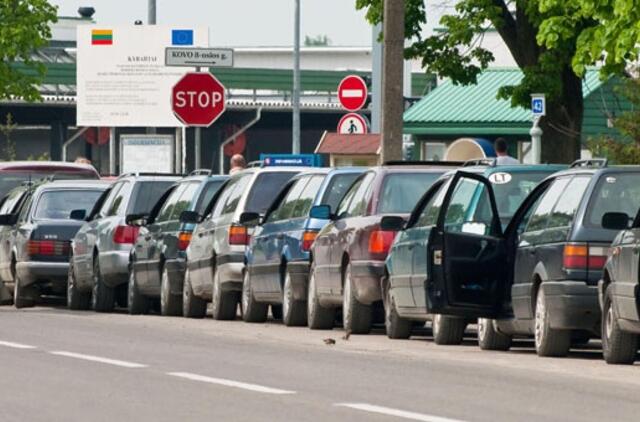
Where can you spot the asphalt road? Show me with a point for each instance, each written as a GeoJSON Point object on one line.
{"type": "Point", "coordinates": [59, 365]}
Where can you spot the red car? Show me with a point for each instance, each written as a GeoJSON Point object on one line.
{"type": "Point", "coordinates": [348, 255]}
{"type": "Point", "coordinates": [14, 173]}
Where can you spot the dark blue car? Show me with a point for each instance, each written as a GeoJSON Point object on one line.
{"type": "Point", "coordinates": [278, 256]}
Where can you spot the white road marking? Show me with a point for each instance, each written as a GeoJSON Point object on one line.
{"type": "Point", "coordinates": [352, 93]}
{"type": "Point", "coordinates": [230, 383]}
{"type": "Point", "coordinates": [396, 412]}
{"type": "Point", "coordinates": [16, 345]}
{"type": "Point", "coordinates": [91, 358]}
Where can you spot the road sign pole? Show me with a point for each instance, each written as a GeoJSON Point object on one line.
{"type": "Point", "coordinates": [112, 151]}
{"type": "Point", "coordinates": [536, 140]}
{"type": "Point", "coordinates": [295, 98]}
{"type": "Point", "coordinates": [198, 141]}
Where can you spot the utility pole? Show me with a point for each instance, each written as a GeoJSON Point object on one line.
{"type": "Point", "coordinates": [376, 77]}
{"type": "Point", "coordinates": [392, 78]}
{"type": "Point", "coordinates": [151, 20]}
{"type": "Point", "coordinates": [295, 97]}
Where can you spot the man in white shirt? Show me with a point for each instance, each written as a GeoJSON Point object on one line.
{"type": "Point", "coordinates": [502, 156]}
{"type": "Point", "coordinates": [237, 164]}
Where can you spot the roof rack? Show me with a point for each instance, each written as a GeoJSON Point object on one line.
{"type": "Point", "coordinates": [257, 163]}
{"type": "Point", "coordinates": [201, 172]}
{"type": "Point", "coordinates": [137, 174]}
{"type": "Point", "coordinates": [489, 162]}
{"type": "Point", "coordinates": [591, 162]}
{"type": "Point", "coordinates": [422, 163]}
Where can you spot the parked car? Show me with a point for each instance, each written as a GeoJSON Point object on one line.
{"type": "Point", "coordinates": [216, 254]}
{"type": "Point", "coordinates": [157, 262]}
{"type": "Point", "coordinates": [277, 267]}
{"type": "Point", "coordinates": [39, 232]}
{"type": "Point", "coordinates": [347, 256]}
{"type": "Point", "coordinates": [13, 173]}
{"type": "Point", "coordinates": [406, 265]}
{"type": "Point", "coordinates": [99, 262]}
{"type": "Point", "coordinates": [538, 276]}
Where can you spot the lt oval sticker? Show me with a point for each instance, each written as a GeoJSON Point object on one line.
{"type": "Point", "coordinates": [500, 178]}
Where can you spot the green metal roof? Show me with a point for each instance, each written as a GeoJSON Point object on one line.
{"type": "Point", "coordinates": [454, 109]}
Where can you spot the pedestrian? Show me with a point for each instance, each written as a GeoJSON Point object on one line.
{"type": "Point", "coordinates": [237, 164]}
{"type": "Point", "coordinates": [503, 157]}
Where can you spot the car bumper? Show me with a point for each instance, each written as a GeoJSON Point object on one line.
{"type": "Point", "coordinates": [572, 305]}
{"type": "Point", "coordinates": [114, 267]}
{"type": "Point", "coordinates": [31, 272]}
{"type": "Point", "coordinates": [230, 269]}
{"type": "Point", "coordinates": [175, 270]}
{"type": "Point", "coordinates": [366, 277]}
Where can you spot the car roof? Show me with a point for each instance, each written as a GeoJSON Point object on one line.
{"type": "Point", "coordinates": [82, 183]}
{"type": "Point", "coordinates": [151, 176]}
{"type": "Point", "coordinates": [204, 177]}
{"type": "Point", "coordinates": [273, 169]}
{"type": "Point", "coordinates": [36, 165]}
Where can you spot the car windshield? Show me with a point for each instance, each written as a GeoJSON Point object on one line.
{"type": "Point", "coordinates": [510, 189]}
{"type": "Point", "coordinates": [401, 191]}
{"type": "Point", "coordinates": [338, 186]}
{"type": "Point", "coordinates": [148, 194]}
{"type": "Point", "coordinates": [265, 189]}
{"type": "Point", "coordinates": [10, 179]}
{"type": "Point", "coordinates": [617, 192]}
{"type": "Point", "coordinates": [58, 204]}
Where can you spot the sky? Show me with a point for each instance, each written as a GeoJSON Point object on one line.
{"type": "Point", "coordinates": [240, 23]}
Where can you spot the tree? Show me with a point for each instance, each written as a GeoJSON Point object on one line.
{"type": "Point", "coordinates": [24, 27]}
{"type": "Point", "coordinates": [317, 41]}
{"type": "Point", "coordinates": [457, 54]}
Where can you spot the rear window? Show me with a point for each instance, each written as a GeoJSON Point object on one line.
{"type": "Point", "coordinates": [401, 191]}
{"type": "Point", "coordinates": [147, 195]}
{"type": "Point", "coordinates": [510, 189]}
{"type": "Point", "coordinates": [337, 188]}
{"type": "Point", "coordinates": [10, 179]}
{"type": "Point", "coordinates": [207, 194]}
{"type": "Point", "coordinates": [615, 192]}
{"type": "Point", "coordinates": [58, 204]}
{"type": "Point", "coordinates": [265, 189]}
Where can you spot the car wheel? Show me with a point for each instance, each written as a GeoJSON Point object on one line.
{"type": "Point", "coordinates": [170, 304]}
{"type": "Point", "coordinates": [549, 341]}
{"type": "Point", "coordinates": [103, 296]}
{"type": "Point", "coordinates": [318, 317]}
{"type": "Point", "coordinates": [356, 317]}
{"type": "Point", "coordinates": [23, 297]}
{"type": "Point", "coordinates": [192, 306]}
{"type": "Point", "coordinates": [397, 328]}
{"type": "Point", "coordinates": [138, 304]}
{"type": "Point", "coordinates": [252, 311]}
{"type": "Point", "coordinates": [448, 330]}
{"type": "Point", "coordinates": [223, 304]}
{"type": "Point", "coordinates": [294, 312]}
{"type": "Point", "coordinates": [618, 347]}
{"type": "Point", "coordinates": [76, 300]}
{"type": "Point", "coordinates": [489, 338]}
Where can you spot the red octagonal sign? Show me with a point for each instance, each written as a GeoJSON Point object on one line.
{"type": "Point", "coordinates": [198, 99]}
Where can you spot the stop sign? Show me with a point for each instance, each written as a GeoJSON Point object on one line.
{"type": "Point", "coordinates": [198, 99]}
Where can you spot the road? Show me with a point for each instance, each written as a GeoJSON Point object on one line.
{"type": "Point", "coordinates": [59, 365]}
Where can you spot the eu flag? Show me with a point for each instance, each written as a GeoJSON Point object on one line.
{"type": "Point", "coordinates": [182, 36]}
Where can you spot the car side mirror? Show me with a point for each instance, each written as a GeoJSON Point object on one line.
{"type": "Point", "coordinates": [7, 220]}
{"type": "Point", "coordinates": [79, 215]}
{"type": "Point", "coordinates": [190, 217]}
{"type": "Point", "coordinates": [321, 212]}
{"type": "Point", "coordinates": [392, 223]}
{"type": "Point", "coordinates": [249, 218]}
{"type": "Point", "coordinates": [615, 221]}
{"type": "Point", "coordinates": [137, 220]}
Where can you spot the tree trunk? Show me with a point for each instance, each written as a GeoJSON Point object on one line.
{"type": "Point", "coordinates": [562, 126]}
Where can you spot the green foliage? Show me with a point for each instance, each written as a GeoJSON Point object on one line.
{"type": "Point", "coordinates": [317, 41]}
{"type": "Point", "coordinates": [618, 152]}
{"type": "Point", "coordinates": [24, 27]}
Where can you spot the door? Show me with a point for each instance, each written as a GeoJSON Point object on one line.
{"type": "Point", "coordinates": [466, 255]}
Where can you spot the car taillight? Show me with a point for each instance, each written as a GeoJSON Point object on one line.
{"type": "Point", "coordinates": [48, 247]}
{"type": "Point", "coordinates": [380, 241]}
{"type": "Point", "coordinates": [580, 256]}
{"type": "Point", "coordinates": [307, 240]}
{"type": "Point", "coordinates": [183, 240]}
{"type": "Point", "coordinates": [238, 235]}
{"type": "Point", "coordinates": [125, 234]}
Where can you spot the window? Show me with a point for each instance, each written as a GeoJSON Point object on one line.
{"type": "Point", "coordinates": [207, 194]}
{"type": "Point", "coordinates": [169, 204]}
{"type": "Point", "coordinates": [265, 188]}
{"type": "Point", "coordinates": [429, 215]}
{"type": "Point", "coordinates": [337, 188]}
{"type": "Point", "coordinates": [24, 210]}
{"type": "Point", "coordinates": [540, 217]}
{"type": "Point", "coordinates": [224, 195]}
{"type": "Point", "coordinates": [147, 194]}
{"type": "Point", "coordinates": [305, 202]}
{"type": "Point", "coordinates": [231, 202]}
{"type": "Point", "coordinates": [346, 201]}
{"type": "Point", "coordinates": [57, 204]}
{"type": "Point", "coordinates": [361, 198]}
{"type": "Point", "coordinates": [11, 201]}
{"type": "Point", "coordinates": [615, 192]}
{"type": "Point", "coordinates": [106, 205]}
{"type": "Point", "coordinates": [287, 205]}
{"type": "Point", "coordinates": [511, 189]}
{"type": "Point", "coordinates": [567, 206]}
{"type": "Point", "coordinates": [185, 200]}
{"type": "Point", "coordinates": [401, 191]}
{"type": "Point", "coordinates": [117, 206]}
{"type": "Point", "coordinates": [461, 215]}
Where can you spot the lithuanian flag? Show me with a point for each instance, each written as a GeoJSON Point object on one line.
{"type": "Point", "coordinates": [101, 37]}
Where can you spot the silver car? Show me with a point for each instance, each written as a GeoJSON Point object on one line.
{"type": "Point", "coordinates": [99, 262]}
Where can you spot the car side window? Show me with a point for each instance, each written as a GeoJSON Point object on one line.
{"type": "Point", "coordinates": [565, 209]}
{"type": "Point", "coordinates": [288, 203]}
{"type": "Point", "coordinates": [24, 211]}
{"type": "Point", "coordinates": [106, 205]}
{"type": "Point", "coordinates": [361, 198]}
{"type": "Point", "coordinates": [118, 204]}
{"type": "Point", "coordinates": [346, 200]}
{"type": "Point", "coordinates": [542, 213]}
{"type": "Point", "coordinates": [185, 200]}
{"type": "Point", "coordinates": [10, 202]}
{"type": "Point", "coordinates": [429, 215]}
{"type": "Point", "coordinates": [229, 199]}
{"type": "Point", "coordinates": [167, 208]}
{"type": "Point", "coordinates": [305, 202]}
{"type": "Point", "coordinates": [461, 215]}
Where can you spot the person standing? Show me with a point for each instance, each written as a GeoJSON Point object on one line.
{"type": "Point", "coordinates": [502, 156]}
{"type": "Point", "coordinates": [237, 163]}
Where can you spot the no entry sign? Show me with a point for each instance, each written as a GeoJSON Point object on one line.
{"type": "Point", "coordinates": [352, 92]}
{"type": "Point", "coordinates": [198, 99]}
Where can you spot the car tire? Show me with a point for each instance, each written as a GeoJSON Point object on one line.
{"type": "Point", "coordinates": [192, 306]}
{"type": "Point", "coordinates": [356, 317]}
{"type": "Point", "coordinates": [76, 300]}
{"type": "Point", "coordinates": [618, 347]}
{"type": "Point", "coordinates": [102, 296]}
{"type": "Point", "coordinates": [396, 327]}
{"type": "Point", "coordinates": [294, 312]}
{"type": "Point", "coordinates": [23, 297]}
{"type": "Point", "coordinates": [491, 339]}
{"type": "Point", "coordinates": [318, 317]}
{"type": "Point", "coordinates": [170, 304]}
{"type": "Point", "coordinates": [448, 330]}
{"type": "Point", "coordinates": [549, 342]}
{"type": "Point", "coordinates": [137, 303]}
{"type": "Point", "coordinates": [224, 305]}
{"type": "Point", "coordinates": [252, 311]}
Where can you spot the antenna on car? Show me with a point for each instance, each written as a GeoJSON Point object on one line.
{"type": "Point", "coordinates": [591, 162]}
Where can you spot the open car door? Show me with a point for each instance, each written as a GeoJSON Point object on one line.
{"type": "Point", "coordinates": [466, 254]}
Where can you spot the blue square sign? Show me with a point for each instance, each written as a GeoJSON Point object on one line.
{"type": "Point", "coordinates": [538, 105]}
{"type": "Point", "coordinates": [182, 36]}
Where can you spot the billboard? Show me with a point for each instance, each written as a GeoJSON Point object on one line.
{"type": "Point", "coordinates": [146, 153]}
{"type": "Point", "coordinates": [121, 77]}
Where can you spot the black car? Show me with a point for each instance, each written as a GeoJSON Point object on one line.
{"type": "Point", "coordinates": [158, 257]}
{"type": "Point", "coordinates": [40, 235]}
